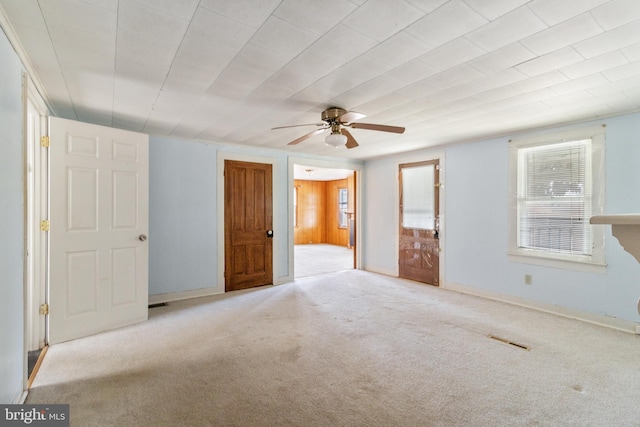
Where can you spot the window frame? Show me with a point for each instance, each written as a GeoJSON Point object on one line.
{"type": "Point", "coordinates": [343, 213]}
{"type": "Point", "coordinates": [595, 262]}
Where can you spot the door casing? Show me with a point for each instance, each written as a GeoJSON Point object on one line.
{"type": "Point", "coordinates": [277, 213]}
{"type": "Point", "coordinates": [436, 155]}
{"type": "Point", "coordinates": [248, 224]}
{"type": "Point", "coordinates": [358, 168]}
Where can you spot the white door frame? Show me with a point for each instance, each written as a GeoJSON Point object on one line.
{"type": "Point", "coordinates": [440, 156]}
{"type": "Point", "coordinates": [327, 164]}
{"type": "Point", "coordinates": [277, 212]}
{"type": "Point", "coordinates": [36, 209]}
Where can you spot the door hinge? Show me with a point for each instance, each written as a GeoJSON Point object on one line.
{"type": "Point", "coordinates": [438, 185]}
{"type": "Point", "coordinates": [44, 141]}
{"type": "Point", "coordinates": [45, 225]}
{"type": "Point", "coordinates": [44, 309]}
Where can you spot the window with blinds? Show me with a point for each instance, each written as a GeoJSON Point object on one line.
{"type": "Point", "coordinates": [554, 197]}
{"type": "Point", "coordinates": [557, 185]}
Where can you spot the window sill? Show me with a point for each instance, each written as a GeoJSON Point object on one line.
{"type": "Point", "coordinates": [553, 262]}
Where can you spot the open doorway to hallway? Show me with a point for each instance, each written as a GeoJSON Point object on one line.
{"type": "Point", "coordinates": [323, 220]}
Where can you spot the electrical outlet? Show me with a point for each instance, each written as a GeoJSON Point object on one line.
{"type": "Point", "coordinates": [528, 279]}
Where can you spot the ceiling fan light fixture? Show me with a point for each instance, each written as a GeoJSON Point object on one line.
{"type": "Point", "coordinates": [335, 139]}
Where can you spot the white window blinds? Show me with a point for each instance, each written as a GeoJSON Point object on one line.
{"type": "Point", "coordinates": [554, 200]}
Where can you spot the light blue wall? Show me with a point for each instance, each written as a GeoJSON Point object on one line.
{"type": "Point", "coordinates": [11, 226]}
{"type": "Point", "coordinates": [476, 219]}
{"type": "Point", "coordinates": [183, 213]}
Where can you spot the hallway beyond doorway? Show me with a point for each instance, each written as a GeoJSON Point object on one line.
{"type": "Point", "coordinates": [320, 258]}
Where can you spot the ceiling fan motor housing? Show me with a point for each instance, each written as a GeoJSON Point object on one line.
{"type": "Point", "coordinates": [332, 114]}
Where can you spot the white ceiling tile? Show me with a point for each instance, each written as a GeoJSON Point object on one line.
{"type": "Point", "coordinates": [549, 62]}
{"type": "Point", "coordinates": [24, 14]}
{"type": "Point", "coordinates": [580, 84]}
{"type": "Point", "coordinates": [451, 54]}
{"type": "Point", "coordinates": [617, 86]}
{"type": "Point", "coordinates": [344, 43]}
{"type": "Point", "coordinates": [280, 36]}
{"type": "Point", "coordinates": [111, 5]}
{"type": "Point", "coordinates": [502, 58]}
{"type": "Point", "coordinates": [594, 65]}
{"type": "Point", "coordinates": [177, 95]}
{"type": "Point", "coordinates": [632, 53]}
{"type": "Point", "coordinates": [312, 66]}
{"type": "Point", "coordinates": [456, 76]}
{"type": "Point", "coordinates": [366, 92]}
{"type": "Point", "coordinates": [563, 34]}
{"type": "Point", "coordinates": [183, 9]}
{"type": "Point", "coordinates": [412, 71]}
{"type": "Point", "coordinates": [75, 45]}
{"type": "Point", "coordinates": [139, 23]}
{"type": "Point", "coordinates": [617, 38]}
{"type": "Point", "coordinates": [540, 82]}
{"type": "Point", "coordinates": [507, 29]}
{"type": "Point", "coordinates": [381, 103]}
{"type": "Point", "coordinates": [495, 8]}
{"type": "Point", "coordinates": [616, 13]}
{"type": "Point", "coordinates": [248, 70]}
{"type": "Point", "coordinates": [623, 71]}
{"type": "Point", "coordinates": [312, 15]}
{"type": "Point", "coordinates": [419, 89]}
{"type": "Point", "coordinates": [553, 12]}
{"type": "Point", "coordinates": [446, 23]}
{"type": "Point", "coordinates": [248, 12]}
{"type": "Point", "coordinates": [81, 17]}
{"type": "Point", "coordinates": [397, 16]}
{"type": "Point", "coordinates": [398, 49]}
{"type": "Point", "coordinates": [209, 28]}
{"type": "Point", "coordinates": [426, 6]}
{"type": "Point", "coordinates": [502, 78]}
{"type": "Point", "coordinates": [135, 67]}
{"type": "Point", "coordinates": [497, 94]}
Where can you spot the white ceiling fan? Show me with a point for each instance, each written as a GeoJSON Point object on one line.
{"type": "Point", "coordinates": [336, 119]}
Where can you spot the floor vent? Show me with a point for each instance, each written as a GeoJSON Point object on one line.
{"type": "Point", "coordinates": [506, 341]}
{"type": "Point", "coordinates": [160, 304]}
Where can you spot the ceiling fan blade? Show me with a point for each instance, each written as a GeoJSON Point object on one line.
{"type": "Point", "coordinates": [308, 135]}
{"type": "Point", "coordinates": [351, 142]}
{"type": "Point", "coordinates": [384, 128]}
{"type": "Point", "coordinates": [295, 126]}
{"type": "Point", "coordinates": [351, 116]}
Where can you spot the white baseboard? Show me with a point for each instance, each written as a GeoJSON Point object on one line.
{"type": "Point", "coordinates": [282, 280]}
{"type": "Point", "coordinates": [21, 398]}
{"type": "Point", "coordinates": [383, 271]}
{"type": "Point", "coordinates": [571, 313]}
{"type": "Point", "coordinates": [177, 296]}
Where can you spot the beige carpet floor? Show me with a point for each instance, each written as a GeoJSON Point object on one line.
{"type": "Point", "coordinates": [321, 258]}
{"type": "Point", "coordinates": [346, 349]}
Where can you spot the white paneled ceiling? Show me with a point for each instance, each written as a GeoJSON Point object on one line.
{"type": "Point", "coordinates": [230, 70]}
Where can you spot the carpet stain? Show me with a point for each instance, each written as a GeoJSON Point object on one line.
{"type": "Point", "coordinates": [290, 355]}
{"type": "Point", "coordinates": [578, 388]}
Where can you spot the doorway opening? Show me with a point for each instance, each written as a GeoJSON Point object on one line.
{"type": "Point", "coordinates": [324, 220]}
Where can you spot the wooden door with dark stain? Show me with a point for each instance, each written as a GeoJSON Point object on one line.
{"type": "Point", "coordinates": [248, 222]}
{"type": "Point", "coordinates": [419, 255]}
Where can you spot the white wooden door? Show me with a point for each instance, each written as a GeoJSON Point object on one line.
{"type": "Point", "coordinates": [99, 222]}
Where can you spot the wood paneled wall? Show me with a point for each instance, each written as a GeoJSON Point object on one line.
{"type": "Point", "coordinates": [318, 211]}
{"type": "Point", "coordinates": [312, 196]}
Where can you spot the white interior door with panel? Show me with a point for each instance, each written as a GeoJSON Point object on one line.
{"type": "Point", "coordinates": [98, 226]}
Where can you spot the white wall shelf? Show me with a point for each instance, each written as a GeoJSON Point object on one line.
{"type": "Point", "coordinates": [625, 228]}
